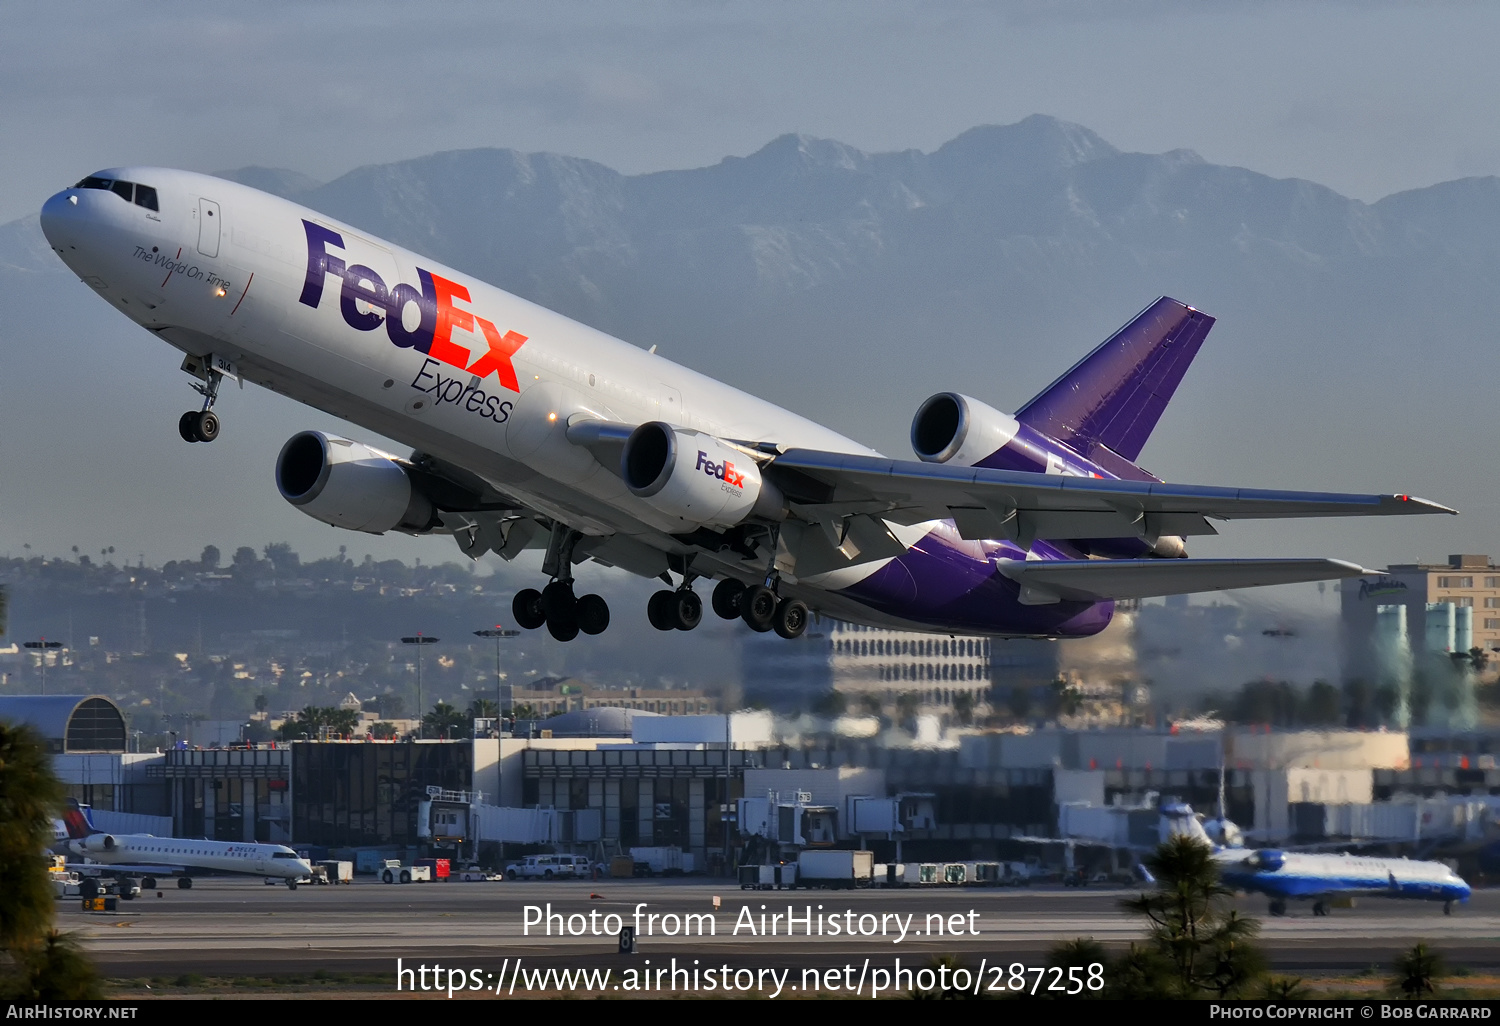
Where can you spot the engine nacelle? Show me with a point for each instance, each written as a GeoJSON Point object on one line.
{"type": "Point", "coordinates": [953, 428]}
{"type": "Point", "coordinates": [98, 844]}
{"type": "Point", "coordinates": [349, 485]}
{"type": "Point", "coordinates": [696, 478]}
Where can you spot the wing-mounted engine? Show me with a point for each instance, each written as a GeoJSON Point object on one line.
{"type": "Point", "coordinates": [700, 480]}
{"type": "Point", "coordinates": [351, 485]}
{"type": "Point", "coordinates": [953, 428]}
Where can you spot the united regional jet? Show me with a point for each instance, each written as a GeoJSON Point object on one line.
{"type": "Point", "coordinates": [1284, 876]}
{"type": "Point", "coordinates": [532, 430]}
{"type": "Point", "coordinates": [136, 860]}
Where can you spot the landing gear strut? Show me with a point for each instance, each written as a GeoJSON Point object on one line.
{"type": "Point", "coordinates": [202, 425]}
{"type": "Point", "coordinates": [1320, 908]}
{"type": "Point", "coordinates": [555, 606]}
{"type": "Point", "coordinates": [1278, 907]}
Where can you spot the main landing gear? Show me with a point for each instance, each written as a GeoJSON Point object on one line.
{"type": "Point", "coordinates": [201, 425]}
{"type": "Point", "coordinates": [760, 607]}
{"type": "Point", "coordinates": [555, 606]}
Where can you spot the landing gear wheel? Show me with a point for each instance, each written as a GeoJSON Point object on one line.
{"type": "Point", "coordinates": [659, 610]}
{"type": "Point", "coordinates": [593, 614]}
{"type": "Point", "coordinates": [526, 608]}
{"type": "Point", "coordinates": [558, 601]}
{"type": "Point", "coordinates": [791, 618]}
{"type": "Point", "coordinates": [206, 426]}
{"type": "Point", "coordinates": [291, 885]}
{"type": "Point", "coordinates": [726, 598]}
{"type": "Point", "coordinates": [184, 883]}
{"type": "Point", "coordinates": [1320, 908]}
{"type": "Point", "coordinates": [562, 629]}
{"type": "Point", "coordinates": [149, 883]}
{"type": "Point", "coordinates": [686, 610]}
{"type": "Point", "coordinates": [187, 426]}
{"type": "Point", "coordinates": [1278, 908]}
{"type": "Point", "coordinates": [758, 607]}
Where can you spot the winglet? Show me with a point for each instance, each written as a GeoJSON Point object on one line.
{"type": "Point", "coordinates": [1428, 505]}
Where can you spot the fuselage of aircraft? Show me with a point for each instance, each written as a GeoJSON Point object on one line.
{"type": "Point", "coordinates": [142, 856]}
{"type": "Point", "coordinates": [530, 430]}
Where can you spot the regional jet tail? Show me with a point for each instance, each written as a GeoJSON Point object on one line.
{"type": "Point", "coordinates": [136, 860]}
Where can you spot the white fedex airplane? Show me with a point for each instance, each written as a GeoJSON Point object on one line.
{"type": "Point", "coordinates": [532, 430]}
{"type": "Point", "coordinates": [136, 860]}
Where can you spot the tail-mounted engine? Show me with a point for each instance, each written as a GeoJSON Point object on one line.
{"type": "Point", "coordinates": [350, 485]}
{"type": "Point", "coordinates": [953, 428]}
{"type": "Point", "coordinates": [696, 478]}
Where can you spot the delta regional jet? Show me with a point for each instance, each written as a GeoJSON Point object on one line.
{"type": "Point", "coordinates": [136, 860]}
{"type": "Point", "coordinates": [531, 430]}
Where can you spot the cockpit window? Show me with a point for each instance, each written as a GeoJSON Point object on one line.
{"type": "Point", "coordinates": [145, 195]}
{"type": "Point", "coordinates": [283, 854]}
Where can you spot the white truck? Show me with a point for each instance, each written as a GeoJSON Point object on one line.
{"type": "Point", "coordinates": [835, 868]}
{"type": "Point", "coordinates": [392, 871]}
{"type": "Point", "coordinates": [549, 867]}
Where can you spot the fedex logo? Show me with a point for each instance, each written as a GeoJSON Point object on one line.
{"type": "Point", "coordinates": [436, 301]}
{"type": "Point", "coordinates": [720, 471]}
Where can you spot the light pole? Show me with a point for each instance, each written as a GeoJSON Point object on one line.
{"type": "Point", "coordinates": [497, 632]}
{"type": "Point", "coordinates": [44, 645]}
{"type": "Point", "coordinates": [419, 641]}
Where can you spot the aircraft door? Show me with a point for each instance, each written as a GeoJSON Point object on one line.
{"type": "Point", "coordinates": [208, 227]}
{"type": "Point", "coordinates": [669, 405]}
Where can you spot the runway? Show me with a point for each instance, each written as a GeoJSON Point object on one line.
{"type": "Point", "coordinates": [231, 927]}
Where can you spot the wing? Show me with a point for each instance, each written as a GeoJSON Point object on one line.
{"type": "Point", "coordinates": [830, 487]}
{"type": "Point", "coordinates": [1045, 581]}
{"type": "Point", "coordinates": [119, 869]}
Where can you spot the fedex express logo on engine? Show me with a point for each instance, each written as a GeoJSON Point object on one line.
{"type": "Point", "coordinates": [720, 471]}
{"type": "Point", "coordinates": [434, 301]}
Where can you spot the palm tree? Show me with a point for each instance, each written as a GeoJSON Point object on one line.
{"type": "Point", "coordinates": [1417, 971]}
{"type": "Point", "coordinates": [445, 721]}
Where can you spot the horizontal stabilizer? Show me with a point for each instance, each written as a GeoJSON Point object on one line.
{"type": "Point", "coordinates": [1043, 582]}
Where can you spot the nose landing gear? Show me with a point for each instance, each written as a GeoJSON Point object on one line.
{"type": "Point", "coordinates": [202, 425]}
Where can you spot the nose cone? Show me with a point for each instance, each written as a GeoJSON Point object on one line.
{"type": "Point", "coordinates": [60, 217]}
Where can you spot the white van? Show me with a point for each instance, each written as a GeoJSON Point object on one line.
{"type": "Point", "coordinates": [549, 867]}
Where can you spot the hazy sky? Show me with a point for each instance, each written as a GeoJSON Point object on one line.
{"type": "Point", "coordinates": [1368, 97]}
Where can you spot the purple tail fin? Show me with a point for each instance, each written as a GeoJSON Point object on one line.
{"type": "Point", "coordinates": [1114, 396]}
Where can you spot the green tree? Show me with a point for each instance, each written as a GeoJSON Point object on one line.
{"type": "Point", "coordinates": [963, 707]}
{"type": "Point", "coordinates": [1208, 946]}
{"type": "Point", "coordinates": [209, 560]}
{"type": "Point", "coordinates": [383, 731]}
{"type": "Point", "coordinates": [4, 609]}
{"type": "Point", "coordinates": [1322, 706]}
{"type": "Point", "coordinates": [1417, 971]}
{"type": "Point", "coordinates": [45, 965]}
{"type": "Point", "coordinates": [829, 703]}
{"type": "Point", "coordinates": [1080, 953]}
{"type": "Point", "coordinates": [445, 721]}
{"type": "Point", "coordinates": [313, 719]}
{"type": "Point", "coordinates": [482, 709]}
{"type": "Point", "coordinates": [1020, 701]}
